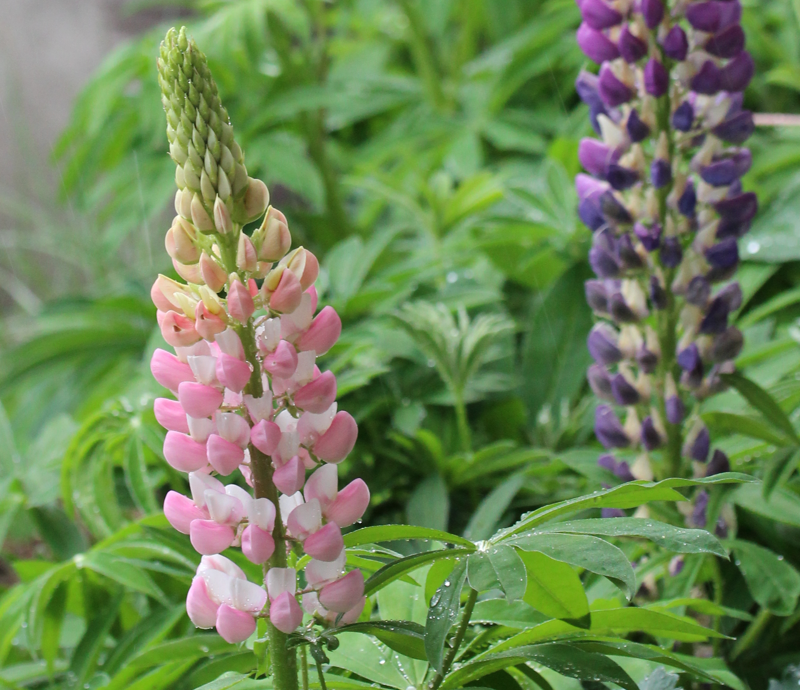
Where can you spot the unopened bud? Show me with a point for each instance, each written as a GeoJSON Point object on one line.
{"type": "Point", "coordinates": [213, 274]}
{"type": "Point", "coordinates": [256, 199]}
{"type": "Point", "coordinates": [246, 254]}
{"type": "Point", "coordinates": [222, 217]}
{"type": "Point", "coordinates": [189, 272]}
{"type": "Point", "coordinates": [202, 221]}
{"type": "Point", "coordinates": [275, 236]}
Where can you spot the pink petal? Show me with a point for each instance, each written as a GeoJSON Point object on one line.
{"type": "Point", "coordinates": [199, 400]}
{"type": "Point", "coordinates": [223, 455]}
{"type": "Point", "coordinates": [337, 442]}
{"type": "Point", "coordinates": [325, 544]}
{"type": "Point", "coordinates": [184, 454]}
{"type": "Point", "coordinates": [209, 538]}
{"type": "Point", "coordinates": [234, 626]}
{"type": "Point", "coordinates": [170, 415]}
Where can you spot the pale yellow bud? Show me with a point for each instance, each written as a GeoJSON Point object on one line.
{"type": "Point", "coordinates": [202, 221]}
{"type": "Point", "coordinates": [213, 274]}
{"type": "Point", "coordinates": [222, 217]}
{"type": "Point", "coordinates": [246, 259]}
{"type": "Point", "coordinates": [274, 236]}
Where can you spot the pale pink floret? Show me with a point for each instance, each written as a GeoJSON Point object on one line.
{"type": "Point", "coordinates": [223, 455]}
{"type": "Point", "coordinates": [266, 436]}
{"type": "Point", "coordinates": [201, 609]}
{"type": "Point", "coordinates": [343, 594]}
{"type": "Point", "coordinates": [340, 438]}
{"type": "Point", "coordinates": [170, 415]}
{"type": "Point", "coordinates": [198, 399]}
{"type": "Point", "coordinates": [304, 520]}
{"type": "Point", "coordinates": [209, 537]}
{"type": "Point", "coordinates": [286, 297]}
{"type": "Point", "coordinates": [158, 297]}
{"type": "Point", "coordinates": [206, 323]}
{"type": "Point", "coordinates": [229, 342]}
{"type": "Point", "coordinates": [232, 372]}
{"type": "Point", "coordinates": [257, 544]}
{"type": "Point", "coordinates": [283, 362]}
{"type": "Point", "coordinates": [325, 544]}
{"type": "Point", "coordinates": [320, 573]}
{"type": "Point", "coordinates": [183, 453]}
{"type": "Point", "coordinates": [178, 329]}
{"type": "Point", "coordinates": [322, 485]}
{"type": "Point", "coordinates": [240, 302]}
{"type": "Point", "coordinates": [285, 613]}
{"type": "Point", "coordinates": [180, 511]}
{"type": "Point", "coordinates": [310, 271]}
{"type": "Point", "coordinates": [169, 371]}
{"type": "Point", "coordinates": [290, 476]}
{"type": "Point", "coordinates": [323, 333]}
{"type": "Point", "coordinates": [318, 395]}
{"type": "Point", "coordinates": [234, 626]}
{"type": "Point", "coordinates": [234, 428]}
{"type": "Point", "coordinates": [350, 504]}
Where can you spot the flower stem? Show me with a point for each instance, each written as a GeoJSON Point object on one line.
{"type": "Point", "coordinates": [457, 640]}
{"type": "Point", "coordinates": [751, 634]}
{"type": "Point", "coordinates": [462, 422]}
{"type": "Point", "coordinates": [304, 667]}
{"type": "Point", "coordinates": [321, 675]}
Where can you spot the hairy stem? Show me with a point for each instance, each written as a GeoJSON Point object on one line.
{"type": "Point", "coordinates": [457, 640]}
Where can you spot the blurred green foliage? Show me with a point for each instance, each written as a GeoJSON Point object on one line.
{"type": "Point", "coordinates": [425, 150]}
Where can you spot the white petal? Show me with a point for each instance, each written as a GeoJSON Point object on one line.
{"type": "Point", "coordinates": [305, 367]}
{"type": "Point", "coordinates": [320, 573]}
{"type": "Point", "coordinates": [200, 428]}
{"type": "Point", "coordinates": [199, 483]}
{"type": "Point", "coordinates": [259, 408]}
{"type": "Point", "coordinates": [204, 368]}
{"type": "Point", "coordinates": [234, 428]}
{"type": "Point", "coordinates": [221, 506]}
{"type": "Point", "coordinates": [224, 565]}
{"type": "Point", "coordinates": [280, 580]}
{"type": "Point", "coordinates": [262, 512]}
{"type": "Point", "coordinates": [219, 586]}
{"type": "Point", "coordinates": [247, 596]}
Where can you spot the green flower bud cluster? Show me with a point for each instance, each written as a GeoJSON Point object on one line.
{"type": "Point", "coordinates": [209, 162]}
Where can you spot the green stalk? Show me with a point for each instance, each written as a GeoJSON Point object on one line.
{"type": "Point", "coordinates": [457, 640]}
{"type": "Point", "coordinates": [423, 56]}
{"type": "Point", "coordinates": [321, 675]}
{"type": "Point", "coordinates": [462, 422]}
{"type": "Point", "coordinates": [752, 633]}
{"type": "Point", "coordinates": [304, 667]}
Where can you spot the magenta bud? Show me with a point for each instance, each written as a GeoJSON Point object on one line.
{"type": "Point", "coordinates": [183, 453]}
{"type": "Point", "coordinates": [337, 442]}
{"type": "Point", "coordinates": [318, 395]}
{"type": "Point", "coordinates": [612, 90]}
{"type": "Point", "coordinates": [290, 477]}
{"type": "Point", "coordinates": [169, 371]}
{"type": "Point", "coordinates": [325, 544]}
{"type": "Point", "coordinates": [266, 436]}
{"type": "Point", "coordinates": [653, 12]}
{"type": "Point", "coordinates": [209, 537]}
{"type": "Point", "coordinates": [257, 544]}
{"type": "Point", "coordinates": [234, 626]}
{"type": "Point", "coordinates": [596, 45]}
{"type": "Point", "coordinates": [599, 15]}
{"type": "Point", "coordinates": [199, 400]}
{"type": "Point", "coordinates": [170, 415]}
{"type": "Point", "coordinates": [223, 455]}
{"type": "Point", "coordinates": [180, 511]}
{"type": "Point", "coordinates": [675, 44]}
{"type": "Point", "coordinates": [285, 613]}
{"type": "Point", "coordinates": [201, 609]}
{"type": "Point", "coordinates": [283, 362]}
{"type": "Point", "coordinates": [232, 373]}
{"type": "Point", "coordinates": [656, 78]}
{"type": "Point", "coordinates": [344, 594]}
{"type": "Point", "coordinates": [323, 332]}
{"type": "Point", "coordinates": [240, 302]}
{"type": "Point", "coordinates": [287, 295]}
{"type": "Point", "coordinates": [350, 504]}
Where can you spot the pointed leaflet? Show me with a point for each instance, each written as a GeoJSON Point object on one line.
{"type": "Point", "coordinates": [404, 637]}
{"type": "Point", "coordinates": [443, 613]}
{"type": "Point", "coordinates": [667, 536]}
{"type": "Point", "coordinates": [555, 589]}
{"type": "Point", "coordinates": [498, 568]}
{"type": "Point", "coordinates": [583, 551]}
{"type": "Point", "coordinates": [484, 520]}
{"type": "Point", "coordinates": [763, 402]}
{"type": "Point", "coordinates": [395, 569]}
{"type": "Point", "coordinates": [381, 533]}
{"type": "Point", "coordinates": [773, 582]}
{"type": "Point", "coordinates": [779, 468]}
{"type": "Point", "coordinates": [726, 423]}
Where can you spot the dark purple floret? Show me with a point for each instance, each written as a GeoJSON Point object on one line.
{"type": "Point", "coordinates": [724, 254]}
{"type": "Point", "coordinates": [619, 309]}
{"type": "Point", "coordinates": [599, 15]}
{"type": "Point", "coordinates": [698, 291]}
{"type": "Point", "coordinates": [708, 80]}
{"type": "Point", "coordinates": [631, 47]}
{"type": "Point", "coordinates": [603, 256]}
{"type": "Point", "coordinates": [728, 43]}
{"type": "Point", "coordinates": [587, 87]}
{"type": "Point", "coordinates": [637, 130]}
{"type": "Point", "coordinates": [725, 171]}
{"type": "Point", "coordinates": [658, 296]}
{"type": "Point", "coordinates": [595, 157]}
{"type": "Point", "coordinates": [590, 213]}
{"type": "Point", "coordinates": [736, 75]}
{"type": "Point", "coordinates": [653, 12]}
{"type": "Point", "coordinates": [688, 201]}
{"type": "Point", "coordinates": [719, 463]}
{"type": "Point", "coordinates": [716, 319]}
{"type": "Point", "coordinates": [649, 237]}
{"type": "Point", "coordinates": [651, 439]}
{"type": "Point", "coordinates": [699, 447]}
{"type": "Point", "coordinates": [621, 178]}
{"type": "Point", "coordinates": [613, 210]}
{"type": "Point", "coordinates": [741, 207]}
{"type": "Point", "coordinates": [689, 358]}
{"type": "Point", "coordinates": [699, 511]}
{"type": "Point", "coordinates": [683, 117]}
{"type": "Point", "coordinates": [693, 379]}
{"type": "Point", "coordinates": [675, 44]}
{"type": "Point", "coordinates": [611, 513]}
{"type": "Point", "coordinates": [727, 346]}
{"type": "Point", "coordinates": [608, 428]}
{"type": "Point", "coordinates": [676, 410]}
{"type": "Point", "coordinates": [613, 91]}
{"type": "Point", "coordinates": [628, 256]}
{"type": "Point", "coordinates": [676, 566]}
{"type": "Point", "coordinates": [600, 382]}
{"type": "Point", "coordinates": [671, 253]}
{"type": "Point", "coordinates": [656, 78]}
{"type": "Point", "coordinates": [721, 529]}
{"type": "Point", "coordinates": [596, 295]}
{"type": "Point", "coordinates": [596, 45]}
{"type": "Point", "coordinates": [623, 471]}
{"type": "Point", "coordinates": [623, 391]}
{"type": "Point", "coordinates": [602, 344]}
{"type": "Point", "coordinates": [647, 360]}
{"type": "Point", "coordinates": [660, 173]}
{"type": "Point", "coordinates": [731, 294]}
{"type": "Point", "coordinates": [736, 129]}
{"type": "Point", "coordinates": [705, 16]}
{"type": "Point", "coordinates": [607, 462]}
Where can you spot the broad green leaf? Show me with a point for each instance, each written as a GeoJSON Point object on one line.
{"type": "Point", "coordinates": [404, 637]}
{"type": "Point", "coordinates": [395, 569]}
{"type": "Point", "coordinates": [667, 536]}
{"type": "Point", "coordinates": [630, 495]}
{"type": "Point", "coordinates": [727, 423]}
{"type": "Point", "coordinates": [779, 468]}
{"type": "Point", "coordinates": [564, 659]}
{"type": "Point", "coordinates": [497, 568]}
{"type": "Point", "coordinates": [783, 505]}
{"type": "Point", "coordinates": [429, 505]}
{"type": "Point", "coordinates": [584, 551]}
{"type": "Point", "coordinates": [226, 681]}
{"type": "Point", "coordinates": [555, 589]}
{"type": "Point", "coordinates": [517, 614]}
{"type": "Point", "coordinates": [701, 606]}
{"type": "Point", "coordinates": [443, 613]}
{"type": "Point", "coordinates": [368, 658]}
{"type": "Point", "coordinates": [763, 402]}
{"type": "Point", "coordinates": [484, 520]}
{"type": "Point", "coordinates": [381, 533]}
{"type": "Point", "coordinates": [773, 582]}
{"type": "Point", "coordinates": [193, 647]}
{"type": "Point", "coordinates": [121, 570]}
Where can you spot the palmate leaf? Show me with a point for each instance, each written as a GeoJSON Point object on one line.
{"type": "Point", "coordinates": [555, 589]}
{"type": "Point", "coordinates": [774, 583]}
{"type": "Point", "coordinates": [499, 567]}
{"type": "Point", "coordinates": [382, 533]}
{"type": "Point", "coordinates": [763, 402]}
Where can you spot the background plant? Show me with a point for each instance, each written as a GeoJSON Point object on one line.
{"type": "Point", "coordinates": [450, 132]}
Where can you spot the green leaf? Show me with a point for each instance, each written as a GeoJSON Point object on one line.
{"type": "Point", "coordinates": [121, 570]}
{"type": "Point", "coordinates": [136, 476]}
{"type": "Point", "coordinates": [564, 659]}
{"type": "Point", "coordinates": [783, 505]}
{"type": "Point", "coordinates": [395, 569]}
{"type": "Point", "coordinates": [666, 536]}
{"type": "Point", "coordinates": [584, 551]}
{"type": "Point", "coordinates": [429, 504]}
{"type": "Point", "coordinates": [404, 637]}
{"type": "Point", "coordinates": [555, 589]}
{"type": "Point", "coordinates": [225, 682]}
{"type": "Point", "coordinates": [517, 614]}
{"type": "Point", "coordinates": [773, 582]}
{"type": "Point", "coordinates": [484, 520]}
{"type": "Point", "coordinates": [88, 650]}
{"type": "Point", "coordinates": [763, 402]}
{"type": "Point", "coordinates": [498, 568]}
{"type": "Point", "coordinates": [381, 533]}
{"type": "Point", "coordinates": [443, 613]}
{"type": "Point", "coordinates": [630, 495]}
{"type": "Point", "coordinates": [779, 468]}
{"type": "Point", "coordinates": [185, 648]}
{"type": "Point", "coordinates": [728, 424]}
